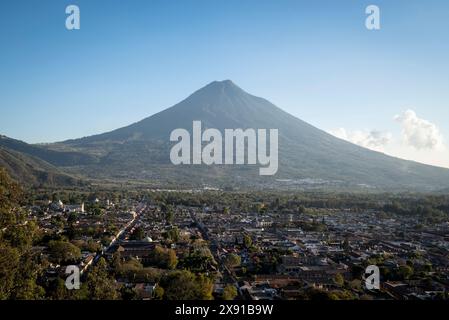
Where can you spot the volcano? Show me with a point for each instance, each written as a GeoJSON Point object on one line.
{"type": "Point", "coordinates": [308, 156]}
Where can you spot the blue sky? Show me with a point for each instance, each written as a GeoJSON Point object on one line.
{"type": "Point", "coordinates": [314, 59]}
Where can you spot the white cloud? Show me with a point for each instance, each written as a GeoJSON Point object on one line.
{"type": "Point", "coordinates": [421, 140]}
{"type": "Point", "coordinates": [374, 139]}
{"type": "Point", "coordinates": [419, 133]}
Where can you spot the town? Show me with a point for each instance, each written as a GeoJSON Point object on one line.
{"type": "Point", "coordinates": [211, 244]}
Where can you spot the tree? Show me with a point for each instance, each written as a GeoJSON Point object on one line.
{"type": "Point", "coordinates": [158, 293]}
{"type": "Point", "coordinates": [100, 285]}
{"type": "Point", "coordinates": [169, 215]}
{"type": "Point", "coordinates": [15, 229]}
{"type": "Point", "coordinates": [339, 280]}
{"type": "Point", "coordinates": [129, 268]}
{"type": "Point", "coordinates": [10, 195]}
{"type": "Point", "coordinates": [355, 284]}
{"type": "Point", "coordinates": [72, 218]}
{"type": "Point", "coordinates": [97, 211]}
{"type": "Point", "coordinates": [232, 260]}
{"type": "Point", "coordinates": [167, 210]}
{"type": "Point", "coordinates": [19, 273]}
{"type": "Point", "coordinates": [9, 260]}
{"type": "Point", "coordinates": [128, 293]}
{"type": "Point", "coordinates": [63, 252]}
{"type": "Point", "coordinates": [172, 260]}
{"type": "Point", "coordinates": [247, 241]}
{"type": "Point", "coordinates": [405, 272]}
{"type": "Point", "coordinates": [346, 245]}
{"type": "Point", "coordinates": [164, 258]}
{"type": "Point", "coordinates": [173, 234]}
{"type": "Point", "coordinates": [21, 235]}
{"type": "Point", "coordinates": [18, 269]}
{"type": "Point", "coordinates": [184, 285]}
{"type": "Point", "coordinates": [229, 292]}
{"type": "Point", "coordinates": [200, 260]}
